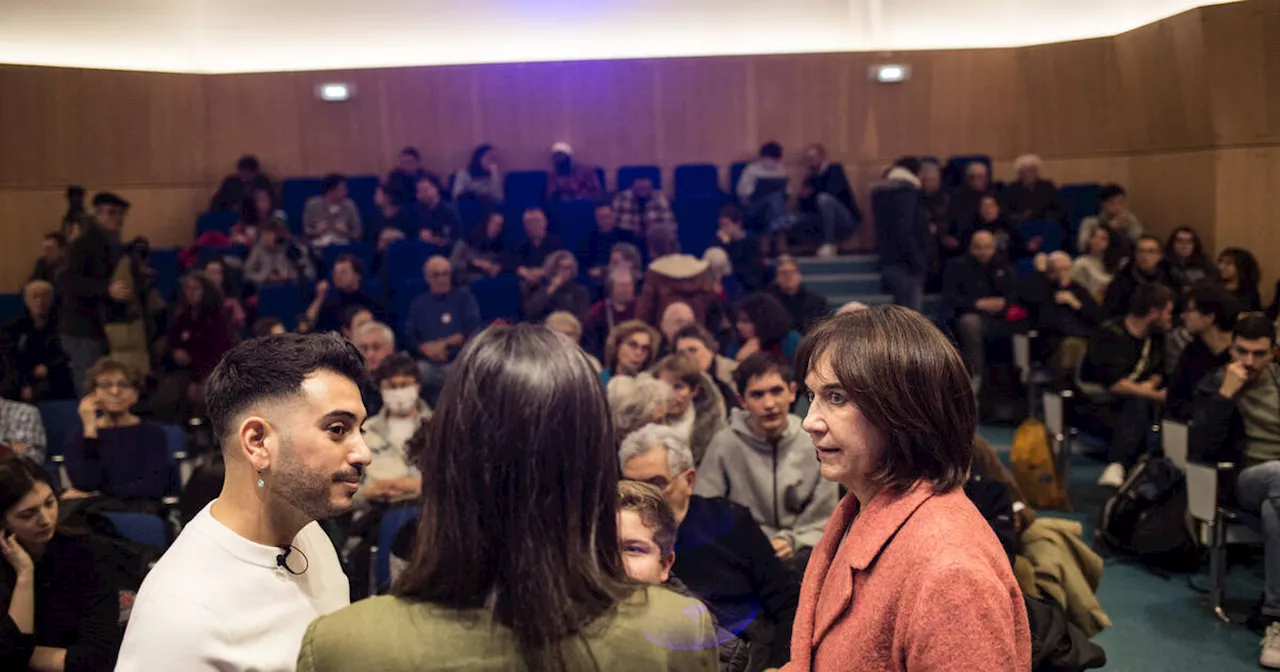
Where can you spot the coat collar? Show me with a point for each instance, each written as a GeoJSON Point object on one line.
{"type": "Point", "coordinates": [873, 527]}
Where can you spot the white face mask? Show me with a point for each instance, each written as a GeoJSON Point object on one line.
{"type": "Point", "coordinates": [401, 401]}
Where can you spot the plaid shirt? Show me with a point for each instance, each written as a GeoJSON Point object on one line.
{"type": "Point", "coordinates": [20, 423]}
{"type": "Point", "coordinates": [581, 183]}
{"type": "Point", "coordinates": [657, 212]}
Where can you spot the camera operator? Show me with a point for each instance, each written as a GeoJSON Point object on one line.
{"type": "Point", "coordinates": [276, 259]}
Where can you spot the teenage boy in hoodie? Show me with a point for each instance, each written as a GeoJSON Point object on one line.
{"type": "Point", "coordinates": [764, 461]}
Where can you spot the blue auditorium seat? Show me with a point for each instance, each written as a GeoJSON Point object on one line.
{"type": "Point", "coordinates": [362, 251]}
{"type": "Point", "coordinates": [571, 221]}
{"type": "Point", "coordinates": [498, 297]}
{"type": "Point", "coordinates": [1081, 201]}
{"type": "Point", "coordinates": [167, 267]}
{"type": "Point", "coordinates": [472, 211]}
{"type": "Point", "coordinates": [628, 174]}
{"type": "Point", "coordinates": [176, 440]}
{"type": "Point", "coordinates": [1050, 231]}
{"type": "Point", "coordinates": [402, 295]}
{"type": "Point", "coordinates": [524, 188]}
{"type": "Point", "coordinates": [600, 177]}
{"type": "Point", "coordinates": [216, 220]}
{"type": "Point", "coordinates": [372, 287]}
{"type": "Point", "coordinates": [361, 188]}
{"type": "Point", "coordinates": [697, 179]}
{"type": "Point", "coordinates": [294, 193]}
{"type": "Point", "coordinates": [140, 528]}
{"type": "Point", "coordinates": [698, 218]}
{"type": "Point", "coordinates": [392, 521]}
{"type": "Point", "coordinates": [11, 307]}
{"type": "Point", "coordinates": [405, 259]}
{"type": "Point", "coordinates": [735, 174]}
{"type": "Point", "coordinates": [282, 301]}
{"type": "Point", "coordinates": [953, 172]}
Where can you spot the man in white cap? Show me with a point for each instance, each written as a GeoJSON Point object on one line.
{"type": "Point", "coordinates": [571, 180]}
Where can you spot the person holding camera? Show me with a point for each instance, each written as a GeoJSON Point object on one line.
{"type": "Point", "coordinates": [275, 259]}
{"type": "Point", "coordinates": [87, 287]}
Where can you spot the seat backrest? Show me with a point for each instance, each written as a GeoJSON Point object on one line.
{"type": "Point", "coordinates": [165, 262]}
{"type": "Point", "coordinates": [1050, 233]}
{"type": "Point", "coordinates": [628, 174]}
{"type": "Point", "coordinates": [498, 297]}
{"type": "Point", "coordinates": [405, 259]}
{"type": "Point", "coordinates": [360, 188]}
{"type": "Point", "coordinates": [294, 193]}
{"type": "Point", "coordinates": [735, 176]}
{"type": "Point", "coordinates": [140, 528]}
{"type": "Point", "coordinates": [281, 301]}
{"type": "Point", "coordinates": [1055, 419]}
{"type": "Point", "coordinates": [572, 221]}
{"type": "Point", "coordinates": [11, 307]}
{"type": "Point", "coordinates": [524, 188]}
{"type": "Point", "coordinates": [1173, 438]}
{"type": "Point", "coordinates": [1202, 491]}
{"type": "Point", "coordinates": [61, 420]}
{"type": "Point", "coordinates": [697, 179]}
{"type": "Point", "coordinates": [698, 218]}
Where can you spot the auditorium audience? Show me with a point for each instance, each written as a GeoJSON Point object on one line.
{"type": "Point", "coordinates": [676, 317]}
{"type": "Point", "coordinates": [902, 232]}
{"type": "Point", "coordinates": [644, 210]}
{"type": "Point", "coordinates": [391, 221]}
{"type": "Point", "coordinates": [258, 212]}
{"type": "Point", "coordinates": [1010, 242]}
{"type": "Point", "coordinates": [763, 325]}
{"type": "Point", "coordinates": [765, 450]}
{"type": "Point", "coordinates": [128, 321]}
{"type": "Point", "coordinates": [275, 259]}
{"type": "Point", "coordinates": [980, 289]}
{"type": "Point", "coordinates": [87, 288]}
{"type": "Point", "coordinates": [827, 196]}
{"type": "Point", "coordinates": [638, 400]}
{"type": "Point", "coordinates": [481, 179]}
{"type": "Point", "coordinates": [391, 475]}
{"type": "Point", "coordinates": [565, 324]}
{"type": "Point", "coordinates": [725, 286]}
{"type": "Point", "coordinates": [62, 602]}
{"type": "Point", "coordinates": [52, 261]}
{"type": "Point", "coordinates": [353, 318]}
{"type": "Point", "coordinates": [629, 349]}
{"type": "Point", "coordinates": [532, 252]}
{"type": "Point", "coordinates": [375, 341]}
{"type": "Point", "coordinates": [435, 221]}
{"type": "Point", "coordinates": [943, 239]}
{"type": "Point", "coordinates": [539, 543]}
{"type": "Point", "coordinates": [762, 192]}
{"type": "Point", "coordinates": [1098, 262]}
{"type": "Point", "coordinates": [966, 198]}
{"type": "Point", "coordinates": [116, 455]}
{"type": "Point", "coordinates": [617, 306]}
{"type": "Point", "coordinates": [439, 322]}
{"type": "Point", "coordinates": [1066, 313]}
{"type": "Point", "coordinates": [677, 277]}
{"type": "Point", "coordinates": [696, 410]}
{"type": "Point", "coordinates": [238, 187]}
{"type": "Point", "coordinates": [227, 281]}
{"type": "Point", "coordinates": [331, 218]}
{"type": "Point", "coordinates": [743, 248]}
{"type": "Point", "coordinates": [1121, 377]}
{"type": "Point", "coordinates": [646, 532]}
{"type": "Point", "coordinates": [21, 431]}
{"type": "Point", "coordinates": [697, 343]}
{"type": "Point", "coordinates": [626, 256]}
{"type": "Point", "coordinates": [483, 253]}
{"type": "Point", "coordinates": [325, 311]}
{"type": "Point", "coordinates": [1238, 270]}
{"type": "Point", "coordinates": [35, 367]}
{"type": "Point", "coordinates": [402, 181]}
{"type": "Point", "coordinates": [1031, 197]}
{"type": "Point", "coordinates": [1145, 268]}
{"type": "Point", "coordinates": [721, 555]}
{"type": "Point", "coordinates": [1114, 214]}
{"type": "Point", "coordinates": [1209, 316]}
{"type": "Point", "coordinates": [906, 555]}
{"type": "Point", "coordinates": [559, 289]}
{"type": "Point", "coordinates": [598, 246]}
{"type": "Point", "coordinates": [570, 178]}
{"type": "Point", "coordinates": [805, 305]}
{"type": "Point", "coordinates": [1186, 261]}
{"type": "Point", "coordinates": [198, 336]}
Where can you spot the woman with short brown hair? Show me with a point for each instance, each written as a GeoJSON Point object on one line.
{"type": "Point", "coordinates": [892, 418]}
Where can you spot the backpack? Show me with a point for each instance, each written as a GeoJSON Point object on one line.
{"type": "Point", "coordinates": [1033, 467]}
{"type": "Point", "coordinates": [1146, 519]}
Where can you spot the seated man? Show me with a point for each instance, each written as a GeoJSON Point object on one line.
{"type": "Point", "coordinates": [1237, 419]}
{"type": "Point", "coordinates": [979, 287]}
{"type": "Point", "coordinates": [570, 178]}
{"type": "Point", "coordinates": [827, 196]}
{"type": "Point", "coordinates": [325, 311]}
{"type": "Point", "coordinates": [391, 476]}
{"type": "Point", "coordinates": [331, 218]}
{"type": "Point", "coordinates": [403, 179]}
{"type": "Point", "coordinates": [742, 248]}
{"type": "Point", "coordinates": [762, 192]}
{"type": "Point", "coordinates": [35, 367]}
{"type": "Point", "coordinates": [354, 317]}
{"type": "Point", "coordinates": [805, 306]}
{"type": "Point", "coordinates": [277, 259]}
{"type": "Point", "coordinates": [531, 253]}
{"type": "Point", "coordinates": [598, 246]}
{"type": "Point", "coordinates": [437, 221]}
{"type": "Point", "coordinates": [117, 455]}
{"type": "Point", "coordinates": [1066, 313]}
{"type": "Point", "coordinates": [21, 430]}
{"type": "Point", "coordinates": [1121, 380]}
{"type": "Point", "coordinates": [1144, 268]}
{"type": "Point", "coordinates": [376, 342]}
{"type": "Point", "coordinates": [1031, 197]}
{"type": "Point", "coordinates": [764, 461]}
{"type": "Point", "coordinates": [438, 323]}
{"type": "Point", "coordinates": [1210, 316]}
{"type": "Point", "coordinates": [238, 187]}
{"type": "Point", "coordinates": [645, 211]}
{"type": "Point", "coordinates": [1115, 213]}
{"type": "Point", "coordinates": [53, 258]}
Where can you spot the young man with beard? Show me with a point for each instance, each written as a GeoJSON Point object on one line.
{"type": "Point", "coordinates": [241, 583]}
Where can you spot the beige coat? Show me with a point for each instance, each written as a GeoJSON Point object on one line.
{"type": "Point", "coordinates": [1057, 564]}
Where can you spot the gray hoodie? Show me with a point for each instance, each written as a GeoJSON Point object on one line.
{"type": "Point", "coordinates": [781, 484]}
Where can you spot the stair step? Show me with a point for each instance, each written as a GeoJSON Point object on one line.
{"type": "Point", "coordinates": [855, 263]}
{"type": "Point", "coordinates": [844, 283]}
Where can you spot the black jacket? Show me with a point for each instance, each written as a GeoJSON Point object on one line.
{"type": "Point", "coordinates": [77, 607]}
{"type": "Point", "coordinates": [234, 192]}
{"type": "Point", "coordinates": [1055, 319]}
{"type": "Point", "coordinates": [1195, 363]}
{"type": "Point", "coordinates": [748, 263]}
{"type": "Point", "coordinates": [23, 347]}
{"type": "Point", "coordinates": [832, 181]}
{"type": "Point", "coordinates": [1217, 428]}
{"type": "Point", "coordinates": [726, 561]}
{"type": "Point", "coordinates": [82, 289]}
{"type": "Point", "coordinates": [1039, 201]}
{"type": "Point", "coordinates": [805, 306]}
{"type": "Point", "coordinates": [902, 226]}
{"type": "Point", "coordinates": [1129, 279]}
{"type": "Point", "coordinates": [965, 280]}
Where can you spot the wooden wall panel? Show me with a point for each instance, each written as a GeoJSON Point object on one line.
{"type": "Point", "coordinates": [1175, 189]}
{"type": "Point", "coordinates": [612, 114]}
{"type": "Point", "coordinates": [433, 109]}
{"type": "Point", "coordinates": [1162, 89]}
{"type": "Point", "coordinates": [523, 108]}
{"type": "Point", "coordinates": [253, 114]}
{"type": "Point", "coordinates": [704, 109]}
{"type": "Point", "coordinates": [1242, 49]}
{"type": "Point", "coordinates": [1248, 206]}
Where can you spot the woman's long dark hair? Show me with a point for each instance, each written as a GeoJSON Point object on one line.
{"type": "Point", "coordinates": [1248, 275]}
{"type": "Point", "coordinates": [1197, 251]}
{"type": "Point", "coordinates": [474, 167]}
{"type": "Point", "coordinates": [18, 475]}
{"type": "Point", "coordinates": [519, 507]}
{"type": "Point", "coordinates": [210, 301]}
{"type": "Point", "coordinates": [770, 317]}
{"type": "Point", "coordinates": [1117, 250]}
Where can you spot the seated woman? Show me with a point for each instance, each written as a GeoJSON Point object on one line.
{"type": "Point", "coordinates": [63, 613]}
{"type": "Point", "coordinates": [258, 212]}
{"type": "Point", "coordinates": [1186, 261]}
{"type": "Point", "coordinates": [516, 564]}
{"type": "Point", "coordinates": [560, 289]}
{"type": "Point", "coordinates": [697, 408]}
{"type": "Point", "coordinates": [637, 401]}
{"type": "Point", "coordinates": [892, 418]}
{"type": "Point", "coordinates": [480, 179]}
{"type": "Point", "coordinates": [629, 349]}
{"type": "Point", "coordinates": [1097, 267]}
{"type": "Point", "coordinates": [231, 288]}
{"type": "Point", "coordinates": [1238, 270]}
{"type": "Point", "coordinates": [483, 254]}
{"type": "Point", "coordinates": [116, 455]}
{"type": "Point", "coordinates": [198, 335]}
{"type": "Point", "coordinates": [391, 475]}
{"type": "Point", "coordinates": [763, 325]}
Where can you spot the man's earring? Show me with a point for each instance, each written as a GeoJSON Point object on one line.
{"type": "Point", "coordinates": [260, 483]}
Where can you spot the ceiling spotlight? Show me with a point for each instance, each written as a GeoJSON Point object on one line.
{"type": "Point", "coordinates": [334, 92]}
{"type": "Point", "coordinates": [890, 74]}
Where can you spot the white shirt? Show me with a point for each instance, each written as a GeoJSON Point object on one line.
{"type": "Point", "coordinates": [217, 601]}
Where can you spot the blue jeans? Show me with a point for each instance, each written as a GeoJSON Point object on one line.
{"type": "Point", "coordinates": [1258, 491]}
{"type": "Point", "coordinates": [837, 220]}
{"type": "Point", "coordinates": [769, 213]}
{"type": "Point", "coordinates": [906, 285]}
{"type": "Point", "coordinates": [82, 353]}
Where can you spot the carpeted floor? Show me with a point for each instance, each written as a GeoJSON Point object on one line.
{"type": "Point", "coordinates": [1160, 624]}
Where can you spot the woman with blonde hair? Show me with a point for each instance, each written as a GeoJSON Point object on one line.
{"type": "Point", "coordinates": [637, 401]}
{"type": "Point", "coordinates": [629, 349]}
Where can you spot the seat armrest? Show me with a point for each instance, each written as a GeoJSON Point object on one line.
{"type": "Point", "coordinates": [1202, 491]}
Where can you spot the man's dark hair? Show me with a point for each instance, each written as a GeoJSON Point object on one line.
{"type": "Point", "coordinates": [57, 237]}
{"type": "Point", "coordinates": [1147, 236]}
{"type": "Point", "coordinates": [910, 163]}
{"type": "Point", "coordinates": [770, 317]}
{"type": "Point", "coordinates": [699, 332]}
{"type": "Point", "coordinates": [1213, 300]}
{"type": "Point", "coordinates": [771, 150]}
{"type": "Point", "coordinates": [263, 325]}
{"type": "Point", "coordinates": [1149, 297]}
{"type": "Point", "coordinates": [248, 163]}
{"type": "Point", "coordinates": [759, 365]}
{"type": "Point", "coordinates": [1254, 325]}
{"type": "Point", "coordinates": [356, 264]}
{"type": "Point", "coordinates": [397, 364]}
{"type": "Point", "coordinates": [732, 213]}
{"type": "Point", "coordinates": [274, 368]}
{"type": "Point", "coordinates": [331, 181]}
{"type": "Point", "coordinates": [411, 151]}
{"type": "Point", "coordinates": [110, 198]}
{"type": "Point", "coordinates": [534, 208]}
{"type": "Point", "coordinates": [1110, 191]}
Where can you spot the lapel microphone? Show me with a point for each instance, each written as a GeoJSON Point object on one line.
{"type": "Point", "coordinates": [282, 560]}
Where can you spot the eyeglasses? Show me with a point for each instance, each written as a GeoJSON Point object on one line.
{"type": "Point", "coordinates": [107, 385]}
